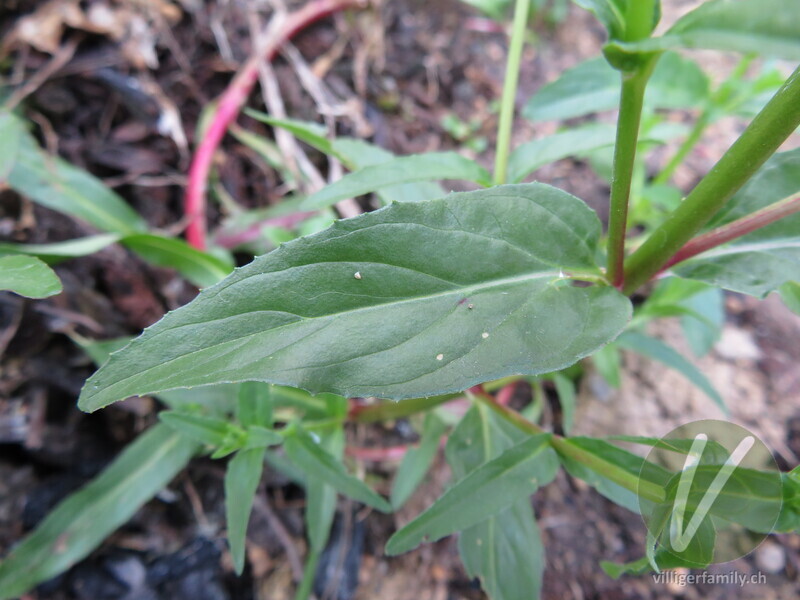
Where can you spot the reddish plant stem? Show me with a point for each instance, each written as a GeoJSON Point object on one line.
{"type": "Point", "coordinates": [736, 229]}
{"type": "Point", "coordinates": [503, 397]}
{"type": "Point", "coordinates": [230, 104]}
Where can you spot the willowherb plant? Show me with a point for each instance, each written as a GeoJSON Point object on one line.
{"type": "Point", "coordinates": [421, 302]}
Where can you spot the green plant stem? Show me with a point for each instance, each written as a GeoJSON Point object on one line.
{"type": "Point", "coordinates": [563, 446]}
{"type": "Point", "coordinates": [630, 116]}
{"type": "Point", "coordinates": [703, 121]}
{"type": "Point", "coordinates": [768, 130]}
{"type": "Point", "coordinates": [387, 411]}
{"type": "Point", "coordinates": [508, 101]}
{"type": "Point", "coordinates": [309, 570]}
{"type": "Point", "coordinates": [639, 19]}
{"type": "Point", "coordinates": [736, 229]}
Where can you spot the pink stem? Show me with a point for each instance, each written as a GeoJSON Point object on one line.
{"type": "Point", "coordinates": [229, 105]}
{"type": "Point", "coordinates": [736, 229]}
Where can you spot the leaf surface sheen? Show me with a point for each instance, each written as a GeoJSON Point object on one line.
{"type": "Point", "coordinates": [411, 300]}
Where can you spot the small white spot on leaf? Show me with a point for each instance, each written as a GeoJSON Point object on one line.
{"type": "Point", "coordinates": [439, 356]}
{"type": "Point", "coordinates": [485, 335]}
{"type": "Point", "coordinates": [357, 275]}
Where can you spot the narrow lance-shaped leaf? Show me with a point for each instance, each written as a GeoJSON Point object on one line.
{"type": "Point", "coordinates": [505, 550]}
{"type": "Point", "coordinates": [658, 350]}
{"type": "Point", "coordinates": [492, 487]}
{"type": "Point", "coordinates": [11, 131]}
{"type": "Point", "coordinates": [317, 462]}
{"type": "Point", "coordinates": [433, 166]}
{"type": "Point", "coordinates": [84, 519]}
{"type": "Point", "coordinates": [56, 184]}
{"type": "Point", "coordinates": [241, 482]}
{"type": "Point", "coordinates": [321, 496]}
{"type": "Point", "coordinates": [417, 461]}
{"type": "Point", "coordinates": [354, 154]}
{"type": "Point", "coordinates": [28, 276]}
{"type": "Point", "coordinates": [594, 86]}
{"type": "Point", "coordinates": [762, 261]}
{"type": "Point", "coordinates": [412, 300]}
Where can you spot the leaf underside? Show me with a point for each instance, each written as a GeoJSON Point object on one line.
{"type": "Point", "coordinates": [412, 300]}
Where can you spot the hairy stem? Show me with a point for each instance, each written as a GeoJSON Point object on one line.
{"type": "Point", "coordinates": [768, 130]}
{"type": "Point", "coordinates": [508, 101]}
{"type": "Point", "coordinates": [736, 229]}
{"type": "Point", "coordinates": [230, 104]}
{"type": "Point", "coordinates": [630, 115]}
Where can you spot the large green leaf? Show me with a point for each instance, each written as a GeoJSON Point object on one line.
{"type": "Point", "coordinates": [505, 551]}
{"type": "Point", "coordinates": [412, 300]}
{"type": "Point", "coordinates": [594, 86]}
{"type": "Point", "coordinates": [84, 519]}
{"type": "Point", "coordinates": [494, 486]}
{"type": "Point", "coordinates": [764, 260]}
{"type": "Point", "coordinates": [28, 276]}
{"type": "Point", "coordinates": [767, 27]}
{"type": "Point", "coordinates": [433, 166]}
{"type": "Point", "coordinates": [56, 184]}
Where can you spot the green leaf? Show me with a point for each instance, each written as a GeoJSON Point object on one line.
{"type": "Point", "coordinates": [762, 261]}
{"type": "Point", "coordinates": [505, 551]}
{"type": "Point", "coordinates": [241, 482]}
{"type": "Point", "coordinates": [307, 454]}
{"type": "Point", "coordinates": [60, 250]}
{"type": "Point", "coordinates": [565, 389]}
{"type": "Point", "coordinates": [329, 312]}
{"type": "Point", "coordinates": [201, 268]}
{"type": "Point", "coordinates": [790, 294]}
{"type": "Point", "coordinates": [320, 496]}
{"type": "Point", "coordinates": [354, 154]}
{"type": "Point", "coordinates": [607, 361]}
{"type": "Point", "coordinates": [433, 166]}
{"type": "Point", "coordinates": [594, 86]}
{"type": "Point", "coordinates": [486, 491]}
{"type": "Point", "coordinates": [204, 430]}
{"type": "Point", "coordinates": [28, 276]}
{"type": "Point", "coordinates": [85, 518]}
{"type": "Point", "coordinates": [255, 404]}
{"type": "Point", "coordinates": [417, 461]}
{"type": "Point", "coordinates": [261, 437]}
{"type": "Point", "coordinates": [611, 13]}
{"type": "Point", "coordinates": [60, 186]}
{"type": "Point", "coordinates": [658, 350]}
{"type": "Point", "coordinates": [528, 157]}
{"type": "Point", "coordinates": [765, 27]}
{"type": "Point", "coordinates": [11, 131]}
{"type": "Point", "coordinates": [608, 467]}
{"type": "Point", "coordinates": [703, 332]}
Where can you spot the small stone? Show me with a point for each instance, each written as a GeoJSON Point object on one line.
{"type": "Point", "coordinates": [771, 557]}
